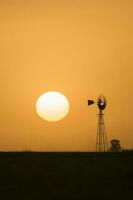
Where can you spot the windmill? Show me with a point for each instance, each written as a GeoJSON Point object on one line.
{"type": "Point", "coordinates": [101, 139]}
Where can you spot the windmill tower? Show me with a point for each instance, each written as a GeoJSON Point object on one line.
{"type": "Point", "coordinates": [101, 139]}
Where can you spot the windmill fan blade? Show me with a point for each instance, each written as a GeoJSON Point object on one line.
{"type": "Point", "coordinates": [90, 102]}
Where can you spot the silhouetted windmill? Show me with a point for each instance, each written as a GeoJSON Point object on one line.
{"type": "Point", "coordinates": [101, 139]}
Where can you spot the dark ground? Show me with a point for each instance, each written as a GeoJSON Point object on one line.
{"type": "Point", "coordinates": [29, 175]}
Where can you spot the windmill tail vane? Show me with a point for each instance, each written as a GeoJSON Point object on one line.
{"type": "Point", "coordinates": [90, 102]}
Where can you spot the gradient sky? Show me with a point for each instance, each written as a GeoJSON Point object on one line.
{"type": "Point", "coordinates": [81, 48]}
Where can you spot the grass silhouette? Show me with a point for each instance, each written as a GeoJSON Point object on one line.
{"type": "Point", "coordinates": [38, 175]}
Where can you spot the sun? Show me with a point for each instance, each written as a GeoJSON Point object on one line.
{"type": "Point", "coordinates": [52, 106]}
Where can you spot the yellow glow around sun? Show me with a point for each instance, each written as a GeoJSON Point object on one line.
{"type": "Point", "coordinates": [52, 106]}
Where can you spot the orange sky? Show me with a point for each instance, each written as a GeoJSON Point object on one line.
{"type": "Point", "coordinates": [81, 48]}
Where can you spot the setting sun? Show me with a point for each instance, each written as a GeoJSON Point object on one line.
{"type": "Point", "coordinates": [52, 106]}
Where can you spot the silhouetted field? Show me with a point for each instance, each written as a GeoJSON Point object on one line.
{"type": "Point", "coordinates": [30, 175]}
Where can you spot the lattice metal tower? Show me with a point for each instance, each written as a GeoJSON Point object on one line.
{"type": "Point", "coordinates": [101, 139]}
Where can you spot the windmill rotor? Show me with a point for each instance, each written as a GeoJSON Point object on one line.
{"type": "Point", "coordinates": [101, 102]}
